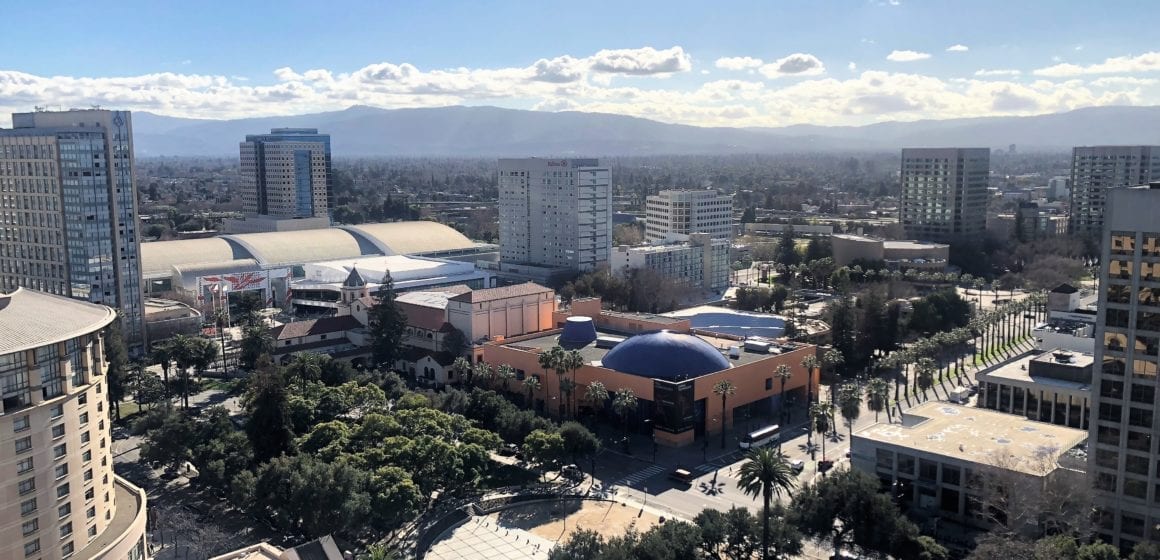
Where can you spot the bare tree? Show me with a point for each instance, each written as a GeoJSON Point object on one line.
{"type": "Point", "coordinates": [1031, 495]}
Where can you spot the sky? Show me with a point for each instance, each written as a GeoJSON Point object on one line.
{"type": "Point", "coordinates": [724, 63]}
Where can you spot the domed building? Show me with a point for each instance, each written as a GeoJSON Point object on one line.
{"type": "Point", "coordinates": [669, 368]}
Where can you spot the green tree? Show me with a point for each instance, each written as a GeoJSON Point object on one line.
{"type": "Point", "coordinates": [850, 405]}
{"type": "Point", "coordinates": [462, 368]}
{"type": "Point", "coordinates": [268, 426]}
{"type": "Point", "coordinates": [596, 394]}
{"type": "Point", "coordinates": [787, 254]}
{"type": "Point", "coordinates": [724, 389]}
{"type": "Point", "coordinates": [924, 371]}
{"type": "Point", "coordinates": [531, 385]}
{"type": "Point", "coordinates": [877, 395]}
{"type": "Point", "coordinates": [118, 366]}
{"type": "Point", "coordinates": [162, 355]}
{"type": "Point", "coordinates": [505, 373]}
{"type": "Point", "coordinates": [766, 473]}
{"type": "Point", "coordinates": [543, 448]}
{"type": "Point", "coordinates": [306, 368]}
{"type": "Point", "coordinates": [386, 324]}
{"type": "Point", "coordinates": [624, 404]}
{"type": "Point", "coordinates": [550, 360]}
{"type": "Point", "coordinates": [312, 496]}
{"type": "Point", "coordinates": [1098, 551]}
{"type": "Point", "coordinates": [783, 373]}
{"type": "Point", "coordinates": [579, 442]}
{"type": "Point", "coordinates": [1145, 551]}
{"type": "Point", "coordinates": [821, 416]}
{"type": "Point", "coordinates": [810, 363]}
{"type": "Point", "coordinates": [256, 342]}
{"type": "Point", "coordinates": [203, 352]}
{"type": "Point", "coordinates": [572, 361]}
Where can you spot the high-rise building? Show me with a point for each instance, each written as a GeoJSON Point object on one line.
{"type": "Point", "coordinates": [685, 212]}
{"type": "Point", "coordinates": [286, 181]}
{"type": "Point", "coordinates": [1095, 169]}
{"type": "Point", "coordinates": [701, 262]}
{"type": "Point", "coordinates": [944, 193]}
{"type": "Point", "coordinates": [555, 213]}
{"type": "Point", "coordinates": [1122, 439]}
{"type": "Point", "coordinates": [68, 210]}
{"type": "Point", "coordinates": [62, 498]}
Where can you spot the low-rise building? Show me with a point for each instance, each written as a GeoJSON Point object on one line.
{"type": "Point", "coordinates": [938, 460]}
{"type": "Point", "coordinates": [165, 318]}
{"type": "Point", "coordinates": [318, 290]}
{"type": "Point", "coordinates": [898, 255]}
{"type": "Point", "coordinates": [1052, 387]}
{"type": "Point", "coordinates": [699, 262]}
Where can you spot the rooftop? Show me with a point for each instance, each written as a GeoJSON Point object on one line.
{"type": "Point", "coordinates": [650, 317]}
{"type": "Point", "coordinates": [435, 298]}
{"type": "Point", "coordinates": [312, 327]}
{"type": "Point", "coordinates": [978, 435]}
{"type": "Point", "coordinates": [503, 292]}
{"type": "Point", "coordinates": [130, 502]}
{"type": "Point", "coordinates": [1020, 370]}
{"type": "Point", "coordinates": [911, 244]}
{"type": "Point", "coordinates": [30, 319]}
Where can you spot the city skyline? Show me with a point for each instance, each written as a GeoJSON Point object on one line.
{"type": "Point", "coordinates": [756, 65]}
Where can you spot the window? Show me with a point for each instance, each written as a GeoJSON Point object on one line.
{"type": "Point", "coordinates": [92, 532]}
{"type": "Point", "coordinates": [84, 418]}
{"type": "Point", "coordinates": [1140, 441]}
{"type": "Point", "coordinates": [27, 485]}
{"type": "Point", "coordinates": [1140, 417]}
{"type": "Point", "coordinates": [85, 437]}
{"type": "Point", "coordinates": [1135, 488]}
{"type": "Point", "coordinates": [1112, 389]}
{"type": "Point", "coordinates": [83, 398]}
{"type": "Point", "coordinates": [61, 470]}
{"type": "Point", "coordinates": [905, 464]}
{"type": "Point", "coordinates": [1107, 459]}
{"type": "Point", "coordinates": [23, 444]}
{"type": "Point", "coordinates": [66, 529]}
{"type": "Point", "coordinates": [58, 431]}
{"type": "Point", "coordinates": [31, 548]}
{"type": "Point", "coordinates": [20, 423]}
{"type": "Point", "coordinates": [1105, 482]}
{"type": "Point", "coordinates": [1143, 393]}
{"type": "Point", "coordinates": [88, 474]}
{"type": "Point", "coordinates": [1112, 412]}
{"type": "Point", "coordinates": [64, 510]}
{"type": "Point", "coordinates": [89, 494]}
{"type": "Point", "coordinates": [24, 466]}
{"type": "Point", "coordinates": [57, 411]}
{"type": "Point", "coordinates": [1136, 464]}
{"type": "Point", "coordinates": [86, 456]}
{"type": "Point", "coordinates": [91, 512]}
{"type": "Point", "coordinates": [62, 490]}
{"type": "Point", "coordinates": [768, 383]}
{"type": "Point", "coordinates": [29, 527]}
{"type": "Point", "coordinates": [66, 550]}
{"type": "Point", "coordinates": [28, 506]}
{"type": "Point", "coordinates": [59, 451]}
{"type": "Point", "coordinates": [951, 475]}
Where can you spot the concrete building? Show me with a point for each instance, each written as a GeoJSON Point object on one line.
{"type": "Point", "coordinates": [286, 181]}
{"type": "Point", "coordinates": [1095, 169]}
{"type": "Point", "coordinates": [1028, 222]}
{"type": "Point", "coordinates": [555, 213]}
{"type": "Point", "coordinates": [702, 262]}
{"type": "Point", "coordinates": [898, 255]}
{"type": "Point", "coordinates": [1127, 487]}
{"type": "Point", "coordinates": [671, 371]}
{"type": "Point", "coordinates": [944, 193]}
{"type": "Point", "coordinates": [1059, 188]}
{"type": "Point", "coordinates": [63, 499]}
{"type": "Point", "coordinates": [320, 288]}
{"type": "Point", "coordinates": [938, 460]}
{"type": "Point", "coordinates": [68, 209]}
{"type": "Point", "coordinates": [799, 230]}
{"type": "Point", "coordinates": [684, 212]}
{"type": "Point", "coordinates": [1052, 387]}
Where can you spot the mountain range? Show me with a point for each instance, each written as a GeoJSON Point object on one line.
{"type": "Point", "coordinates": [491, 131]}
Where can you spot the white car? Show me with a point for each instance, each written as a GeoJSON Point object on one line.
{"type": "Point", "coordinates": [798, 465]}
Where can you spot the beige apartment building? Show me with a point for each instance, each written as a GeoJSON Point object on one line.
{"type": "Point", "coordinates": [61, 498]}
{"type": "Point", "coordinates": [684, 212]}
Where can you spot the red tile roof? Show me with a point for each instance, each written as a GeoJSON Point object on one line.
{"type": "Point", "coordinates": [312, 327]}
{"type": "Point", "coordinates": [504, 292]}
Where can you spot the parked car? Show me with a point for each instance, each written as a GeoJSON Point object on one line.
{"type": "Point", "coordinates": [681, 475]}
{"type": "Point", "coordinates": [798, 466]}
{"type": "Point", "coordinates": [572, 472]}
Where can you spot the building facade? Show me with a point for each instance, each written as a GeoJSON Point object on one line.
{"type": "Point", "coordinates": [286, 173]}
{"type": "Point", "coordinates": [849, 249]}
{"type": "Point", "coordinates": [1095, 169]}
{"type": "Point", "coordinates": [62, 499]}
{"type": "Point", "coordinates": [944, 193]}
{"type": "Point", "coordinates": [68, 210]}
{"type": "Point", "coordinates": [1123, 432]}
{"type": "Point", "coordinates": [684, 212]}
{"type": "Point", "coordinates": [702, 262]}
{"type": "Point", "coordinates": [555, 212]}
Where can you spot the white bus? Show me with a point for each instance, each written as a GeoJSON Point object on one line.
{"type": "Point", "coordinates": [760, 437]}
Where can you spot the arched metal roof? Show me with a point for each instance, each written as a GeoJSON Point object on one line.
{"type": "Point", "coordinates": [412, 238]}
{"type": "Point", "coordinates": [284, 248]}
{"type": "Point", "coordinates": [159, 258]}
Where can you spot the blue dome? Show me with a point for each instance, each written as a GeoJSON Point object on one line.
{"type": "Point", "coordinates": [665, 355]}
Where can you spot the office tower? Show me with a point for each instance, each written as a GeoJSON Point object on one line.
{"type": "Point", "coordinates": [1094, 169]}
{"type": "Point", "coordinates": [61, 497]}
{"type": "Point", "coordinates": [683, 212]}
{"type": "Point", "coordinates": [944, 193]}
{"type": "Point", "coordinates": [68, 207]}
{"type": "Point", "coordinates": [555, 213]}
{"type": "Point", "coordinates": [286, 179]}
{"type": "Point", "coordinates": [1122, 446]}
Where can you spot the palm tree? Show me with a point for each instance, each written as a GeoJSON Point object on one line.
{"type": "Point", "coordinates": [820, 422]}
{"type": "Point", "coordinates": [306, 367]}
{"type": "Point", "coordinates": [624, 403]}
{"type": "Point", "coordinates": [924, 371]}
{"type": "Point", "coordinates": [552, 360]}
{"type": "Point", "coordinates": [462, 367]}
{"type": "Point", "coordinates": [256, 342]}
{"type": "Point", "coordinates": [810, 362]}
{"type": "Point", "coordinates": [596, 393]}
{"type": "Point", "coordinates": [724, 389]}
{"type": "Point", "coordinates": [162, 355]}
{"type": "Point", "coordinates": [832, 359]}
{"type": "Point", "coordinates": [767, 473]}
{"type": "Point", "coordinates": [850, 405]}
{"type": "Point", "coordinates": [202, 354]}
{"type": "Point", "coordinates": [183, 351]}
{"type": "Point", "coordinates": [532, 384]}
{"type": "Point", "coordinates": [505, 373]}
{"type": "Point", "coordinates": [877, 391]}
{"type": "Point", "coordinates": [483, 374]}
{"type": "Point", "coordinates": [783, 373]}
{"type": "Point", "coordinates": [572, 362]}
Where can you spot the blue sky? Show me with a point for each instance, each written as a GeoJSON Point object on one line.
{"type": "Point", "coordinates": [706, 63]}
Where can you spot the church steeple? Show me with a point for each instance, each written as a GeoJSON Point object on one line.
{"type": "Point", "coordinates": [354, 286]}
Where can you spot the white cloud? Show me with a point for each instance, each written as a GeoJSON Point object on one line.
{"type": "Point", "coordinates": [906, 56]}
{"type": "Point", "coordinates": [1007, 72]}
{"type": "Point", "coordinates": [797, 64]}
{"type": "Point", "coordinates": [958, 48]}
{"type": "Point", "coordinates": [1147, 62]}
{"type": "Point", "coordinates": [851, 66]}
{"type": "Point", "coordinates": [1116, 81]}
{"type": "Point", "coordinates": [1079, 47]}
{"type": "Point", "coordinates": [738, 63]}
{"type": "Point", "coordinates": [645, 61]}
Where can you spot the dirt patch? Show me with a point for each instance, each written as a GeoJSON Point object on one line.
{"type": "Point", "coordinates": [556, 521]}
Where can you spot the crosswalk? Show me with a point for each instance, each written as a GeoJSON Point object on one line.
{"type": "Point", "coordinates": [640, 476]}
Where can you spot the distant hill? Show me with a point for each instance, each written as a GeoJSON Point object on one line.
{"type": "Point", "coordinates": [495, 132]}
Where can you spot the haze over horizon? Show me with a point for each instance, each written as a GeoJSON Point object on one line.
{"type": "Point", "coordinates": [751, 64]}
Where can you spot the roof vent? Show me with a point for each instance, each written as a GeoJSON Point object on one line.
{"type": "Point", "coordinates": [578, 331]}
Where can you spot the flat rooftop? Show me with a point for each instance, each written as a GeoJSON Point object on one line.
{"type": "Point", "coordinates": [1020, 370]}
{"type": "Point", "coordinates": [652, 317]}
{"type": "Point", "coordinates": [911, 244]}
{"type": "Point", "coordinates": [593, 354]}
{"type": "Point", "coordinates": [978, 435]}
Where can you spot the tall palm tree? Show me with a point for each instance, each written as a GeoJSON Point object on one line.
{"type": "Point", "coordinates": [810, 362]}
{"type": "Point", "coordinates": [832, 359]}
{"type": "Point", "coordinates": [306, 367]}
{"type": "Point", "coordinates": [766, 473]}
{"type": "Point", "coordinates": [572, 362]}
{"type": "Point", "coordinates": [505, 373]}
{"type": "Point", "coordinates": [783, 373]}
{"type": "Point", "coordinates": [820, 414]}
{"type": "Point", "coordinates": [184, 351]}
{"type": "Point", "coordinates": [724, 389]}
{"type": "Point", "coordinates": [924, 371]}
{"type": "Point", "coordinates": [552, 360]}
{"type": "Point", "coordinates": [596, 394]}
{"type": "Point", "coordinates": [483, 374]}
{"type": "Point", "coordinates": [162, 355]}
{"type": "Point", "coordinates": [531, 384]}
{"type": "Point", "coordinates": [623, 404]}
{"type": "Point", "coordinates": [202, 354]}
{"type": "Point", "coordinates": [850, 405]}
{"type": "Point", "coordinates": [877, 392]}
{"type": "Point", "coordinates": [462, 367]}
